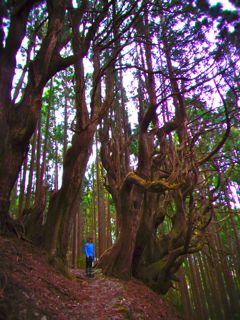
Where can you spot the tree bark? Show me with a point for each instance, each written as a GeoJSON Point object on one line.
{"type": "Point", "coordinates": [18, 121]}
{"type": "Point", "coordinates": [64, 204]}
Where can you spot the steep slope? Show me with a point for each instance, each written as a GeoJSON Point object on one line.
{"type": "Point", "coordinates": [32, 289]}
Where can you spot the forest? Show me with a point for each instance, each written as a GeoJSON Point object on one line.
{"type": "Point", "coordinates": [120, 120]}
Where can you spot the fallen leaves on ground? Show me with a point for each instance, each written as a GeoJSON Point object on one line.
{"type": "Point", "coordinates": [32, 289]}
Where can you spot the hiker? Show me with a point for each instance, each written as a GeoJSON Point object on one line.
{"type": "Point", "coordinates": [89, 253]}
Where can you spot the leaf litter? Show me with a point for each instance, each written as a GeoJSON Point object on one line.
{"type": "Point", "coordinates": [30, 288]}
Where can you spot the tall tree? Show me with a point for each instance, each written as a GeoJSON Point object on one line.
{"type": "Point", "coordinates": [18, 120]}
{"type": "Point", "coordinates": [63, 206]}
{"type": "Point", "coordinates": [54, 36]}
{"type": "Point", "coordinates": [164, 189]}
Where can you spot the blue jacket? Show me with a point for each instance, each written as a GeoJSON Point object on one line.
{"type": "Point", "coordinates": [89, 249]}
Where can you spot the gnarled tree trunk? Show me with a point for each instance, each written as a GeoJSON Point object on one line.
{"type": "Point", "coordinates": [64, 204]}
{"type": "Point", "coordinates": [18, 121]}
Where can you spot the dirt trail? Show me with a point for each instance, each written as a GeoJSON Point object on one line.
{"type": "Point", "coordinates": [109, 298]}
{"type": "Point", "coordinates": [31, 289]}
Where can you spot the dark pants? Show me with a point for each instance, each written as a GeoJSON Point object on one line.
{"type": "Point", "coordinates": [89, 261]}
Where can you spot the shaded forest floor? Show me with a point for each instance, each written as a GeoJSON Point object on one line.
{"type": "Point", "coordinates": [30, 288]}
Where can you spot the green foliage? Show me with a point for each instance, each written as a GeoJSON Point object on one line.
{"type": "Point", "coordinates": [134, 143]}
{"type": "Point", "coordinates": [134, 147]}
{"type": "Point", "coordinates": [228, 21]}
{"type": "Point", "coordinates": [232, 150]}
{"type": "Point", "coordinates": [173, 297]}
{"type": "Point", "coordinates": [81, 262]}
{"type": "Point", "coordinates": [166, 226]}
{"type": "Point", "coordinates": [203, 5]}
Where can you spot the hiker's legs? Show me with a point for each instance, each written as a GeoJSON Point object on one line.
{"type": "Point", "coordinates": [89, 266]}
